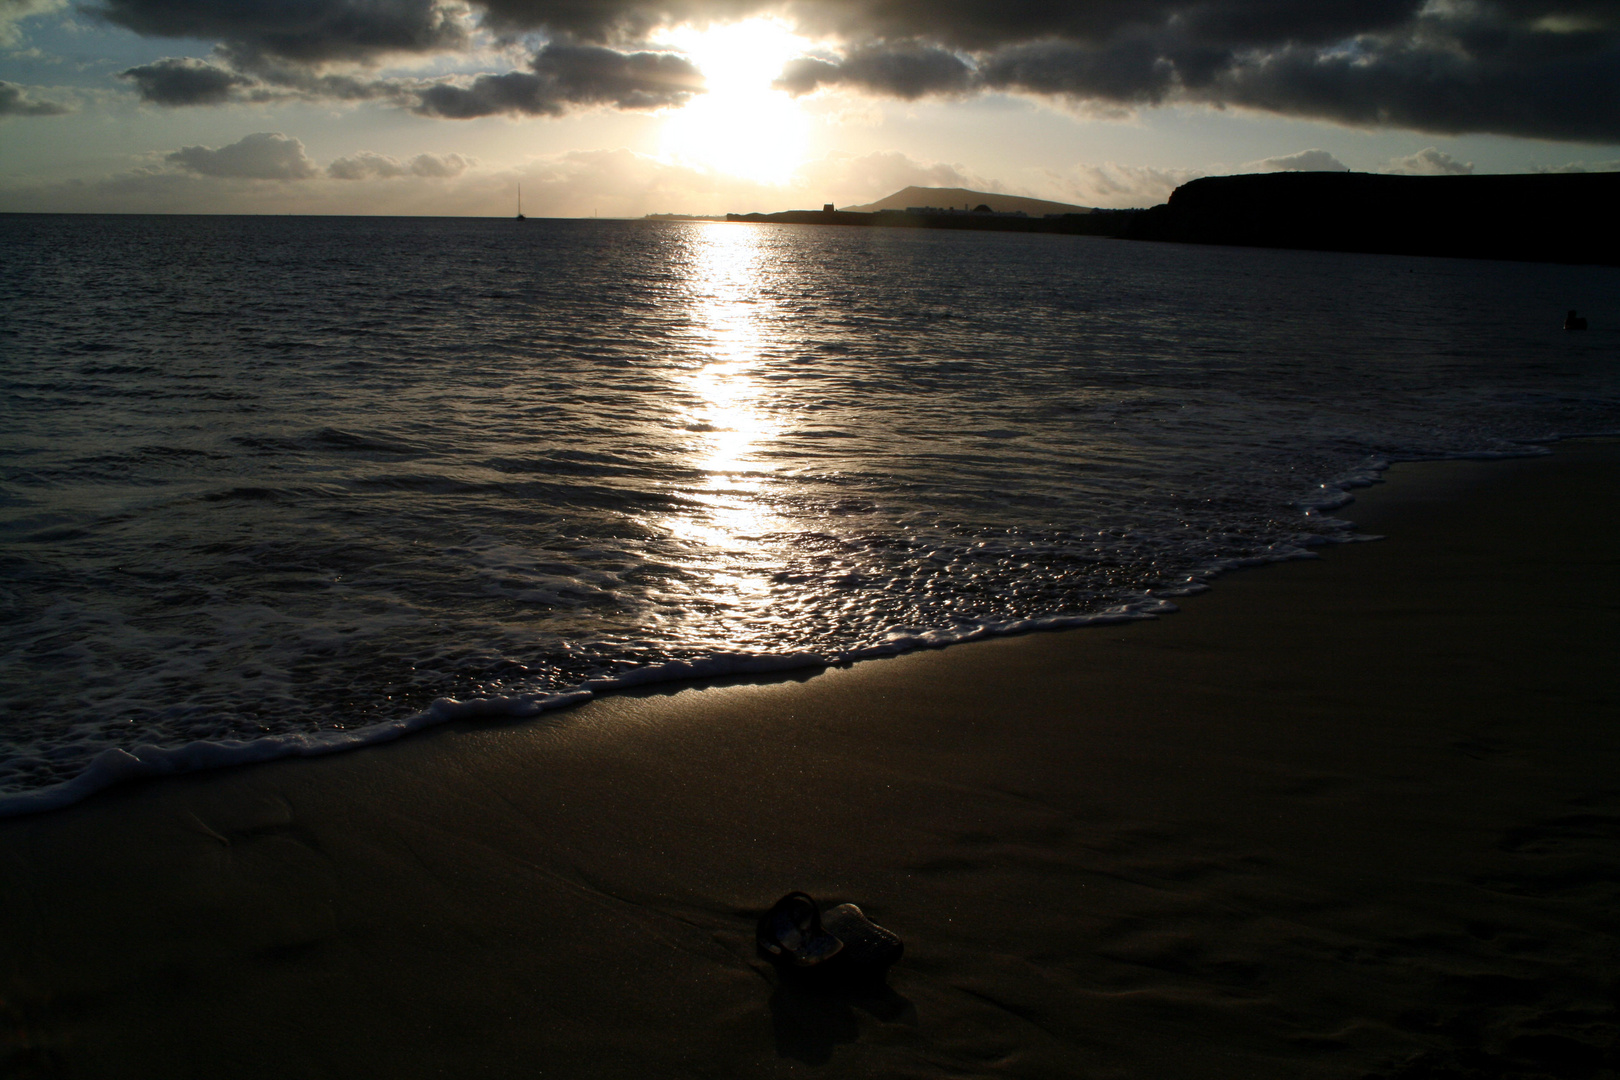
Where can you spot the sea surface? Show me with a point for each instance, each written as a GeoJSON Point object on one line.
{"type": "Point", "coordinates": [287, 485]}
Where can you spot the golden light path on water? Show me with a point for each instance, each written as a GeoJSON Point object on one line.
{"type": "Point", "coordinates": [730, 518]}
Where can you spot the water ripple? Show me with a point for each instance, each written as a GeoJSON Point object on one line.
{"type": "Point", "coordinates": [286, 478]}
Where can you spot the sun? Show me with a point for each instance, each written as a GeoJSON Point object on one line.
{"type": "Point", "coordinates": [741, 126]}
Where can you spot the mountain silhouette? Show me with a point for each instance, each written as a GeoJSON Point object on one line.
{"type": "Point", "coordinates": [949, 198]}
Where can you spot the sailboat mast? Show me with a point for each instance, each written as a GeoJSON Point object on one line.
{"type": "Point", "coordinates": [520, 200]}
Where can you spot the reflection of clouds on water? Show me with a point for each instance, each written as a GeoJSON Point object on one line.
{"type": "Point", "coordinates": [727, 514]}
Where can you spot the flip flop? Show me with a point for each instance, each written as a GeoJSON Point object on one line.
{"type": "Point", "coordinates": [869, 949]}
{"type": "Point", "coordinates": [791, 932]}
{"type": "Point", "coordinates": [842, 945]}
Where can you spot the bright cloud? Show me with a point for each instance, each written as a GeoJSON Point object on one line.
{"type": "Point", "coordinates": [367, 165]}
{"type": "Point", "coordinates": [267, 155]}
{"type": "Point", "coordinates": [1428, 162]}
{"type": "Point", "coordinates": [1304, 161]}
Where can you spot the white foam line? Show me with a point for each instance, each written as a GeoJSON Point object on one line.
{"type": "Point", "coordinates": [1335, 494]}
{"type": "Point", "coordinates": [145, 760]}
{"type": "Point", "coordinates": [118, 765]}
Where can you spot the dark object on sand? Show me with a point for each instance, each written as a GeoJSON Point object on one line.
{"type": "Point", "coordinates": [839, 946]}
{"type": "Point", "coordinates": [1573, 321]}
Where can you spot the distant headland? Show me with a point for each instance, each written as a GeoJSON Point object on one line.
{"type": "Point", "coordinates": [1542, 217]}
{"type": "Point", "coordinates": [941, 198]}
{"type": "Point", "coordinates": [959, 208]}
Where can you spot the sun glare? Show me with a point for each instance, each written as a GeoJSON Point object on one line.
{"type": "Point", "coordinates": [740, 126]}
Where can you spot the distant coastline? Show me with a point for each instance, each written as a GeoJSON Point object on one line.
{"type": "Point", "coordinates": [1094, 223]}
{"type": "Point", "coordinates": [1542, 217]}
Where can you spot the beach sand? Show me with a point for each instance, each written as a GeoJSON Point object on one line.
{"type": "Point", "coordinates": [1346, 817]}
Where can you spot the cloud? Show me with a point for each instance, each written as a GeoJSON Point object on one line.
{"type": "Point", "coordinates": [1114, 185]}
{"type": "Point", "coordinates": [568, 75]}
{"type": "Point", "coordinates": [986, 25]}
{"type": "Point", "coordinates": [1475, 78]}
{"type": "Point", "coordinates": [616, 183]}
{"type": "Point", "coordinates": [277, 82]}
{"type": "Point", "coordinates": [562, 77]}
{"type": "Point", "coordinates": [267, 155]}
{"type": "Point", "coordinates": [1583, 166]}
{"type": "Point", "coordinates": [906, 71]}
{"type": "Point", "coordinates": [184, 81]}
{"type": "Point", "coordinates": [177, 80]}
{"type": "Point", "coordinates": [250, 32]}
{"type": "Point", "coordinates": [627, 183]}
{"type": "Point", "coordinates": [1428, 162]}
{"type": "Point", "coordinates": [14, 11]}
{"type": "Point", "coordinates": [16, 101]}
{"type": "Point", "coordinates": [1130, 71]}
{"type": "Point", "coordinates": [1535, 68]}
{"type": "Point", "coordinates": [200, 180]}
{"type": "Point", "coordinates": [614, 21]}
{"type": "Point", "coordinates": [1304, 161]}
{"type": "Point", "coordinates": [848, 179]}
{"type": "Point", "coordinates": [367, 165]}
{"type": "Point", "coordinates": [308, 48]}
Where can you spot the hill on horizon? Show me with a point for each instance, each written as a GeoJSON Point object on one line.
{"type": "Point", "coordinates": [947, 198]}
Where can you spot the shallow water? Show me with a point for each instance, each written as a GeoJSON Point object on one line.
{"type": "Point", "coordinates": [293, 477]}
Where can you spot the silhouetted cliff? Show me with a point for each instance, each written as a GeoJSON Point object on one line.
{"type": "Point", "coordinates": [1541, 218]}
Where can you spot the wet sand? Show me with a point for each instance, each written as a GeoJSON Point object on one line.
{"type": "Point", "coordinates": [1349, 817]}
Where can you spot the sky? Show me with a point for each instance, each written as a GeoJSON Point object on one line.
{"type": "Point", "coordinates": [620, 108]}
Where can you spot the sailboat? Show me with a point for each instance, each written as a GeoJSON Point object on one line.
{"type": "Point", "coordinates": [520, 202]}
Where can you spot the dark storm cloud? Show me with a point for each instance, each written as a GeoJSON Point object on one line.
{"type": "Point", "coordinates": [1560, 89]}
{"type": "Point", "coordinates": [906, 71]}
{"type": "Point", "coordinates": [183, 81]}
{"type": "Point", "coordinates": [15, 101]}
{"type": "Point", "coordinates": [1536, 68]}
{"type": "Point", "coordinates": [611, 21]}
{"type": "Point", "coordinates": [302, 31]}
{"type": "Point", "coordinates": [986, 25]}
{"type": "Point", "coordinates": [1540, 68]}
{"type": "Point", "coordinates": [974, 25]}
{"type": "Point", "coordinates": [564, 76]}
{"type": "Point", "coordinates": [1131, 71]}
{"type": "Point", "coordinates": [178, 82]}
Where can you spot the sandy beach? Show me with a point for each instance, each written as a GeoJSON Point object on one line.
{"type": "Point", "coordinates": [1347, 817]}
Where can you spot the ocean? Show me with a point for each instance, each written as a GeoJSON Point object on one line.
{"type": "Point", "coordinates": [276, 485]}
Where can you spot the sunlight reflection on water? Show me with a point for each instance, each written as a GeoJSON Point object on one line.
{"type": "Point", "coordinates": [728, 512]}
{"type": "Point", "coordinates": [305, 478]}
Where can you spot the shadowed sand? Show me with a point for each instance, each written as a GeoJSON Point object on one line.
{"type": "Point", "coordinates": [1346, 817]}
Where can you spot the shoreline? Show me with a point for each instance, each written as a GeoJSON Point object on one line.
{"type": "Point", "coordinates": [1106, 223]}
{"type": "Point", "coordinates": [1338, 817]}
{"type": "Point", "coordinates": [144, 763]}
